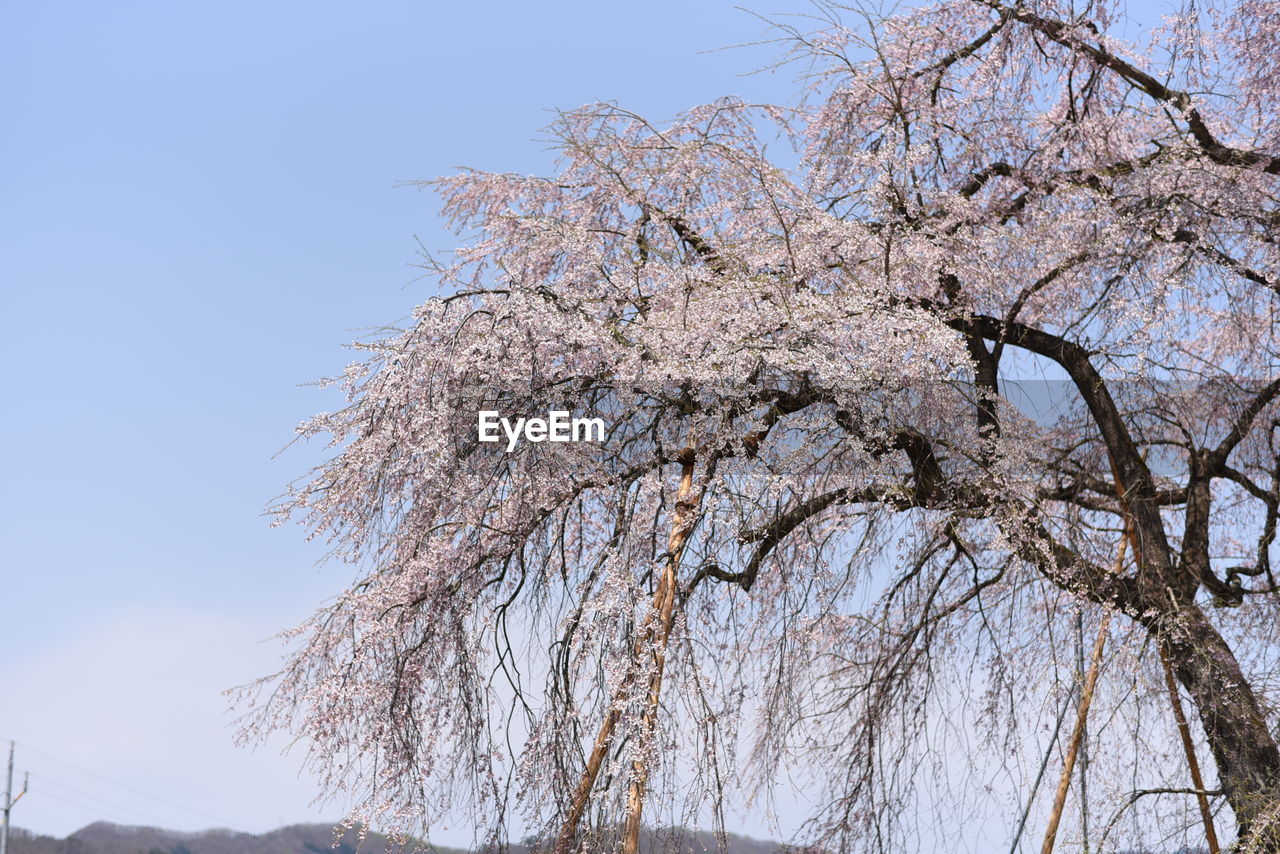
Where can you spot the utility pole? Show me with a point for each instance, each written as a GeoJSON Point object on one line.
{"type": "Point", "coordinates": [9, 801]}
{"type": "Point", "coordinates": [8, 805]}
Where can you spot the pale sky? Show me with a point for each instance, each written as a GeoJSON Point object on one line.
{"type": "Point", "coordinates": [199, 210]}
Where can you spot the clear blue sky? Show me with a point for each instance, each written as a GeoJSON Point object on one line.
{"type": "Point", "coordinates": [198, 209]}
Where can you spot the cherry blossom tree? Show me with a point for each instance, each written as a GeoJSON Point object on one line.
{"type": "Point", "coordinates": [830, 533]}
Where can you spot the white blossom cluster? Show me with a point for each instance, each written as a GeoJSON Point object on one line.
{"type": "Point", "coordinates": [867, 523]}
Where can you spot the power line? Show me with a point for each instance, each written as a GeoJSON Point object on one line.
{"type": "Point", "coordinates": [221, 821]}
{"type": "Point", "coordinates": [92, 810]}
{"type": "Point", "coordinates": [113, 804]}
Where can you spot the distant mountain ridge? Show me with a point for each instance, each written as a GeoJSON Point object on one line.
{"type": "Point", "coordinates": [106, 838]}
{"type": "Point", "coordinates": [103, 837]}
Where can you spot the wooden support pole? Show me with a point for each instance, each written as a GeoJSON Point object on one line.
{"type": "Point", "coordinates": [1077, 733]}
{"type": "Point", "coordinates": [652, 640]}
{"type": "Point", "coordinates": [1211, 835]}
{"type": "Point", "coordinates": [684, 518]}
{"type": "Point", "coordinates": [1082, 713]}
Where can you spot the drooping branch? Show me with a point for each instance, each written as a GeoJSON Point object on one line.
{"type": "Point", "coordinates": [1217, 458]}
{"type": "Point", "coordinates": [1217, 256]}
{"type": "Point", "coordinates": [1067, 35]}
{"type": "Point", "coordinates": [964, 51]}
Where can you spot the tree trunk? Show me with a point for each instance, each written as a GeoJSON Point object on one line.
{"type": "Point", "coordinates": [1243, 747]}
